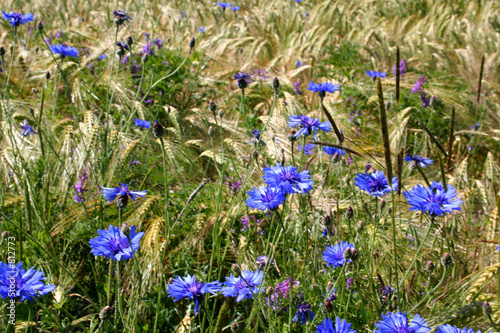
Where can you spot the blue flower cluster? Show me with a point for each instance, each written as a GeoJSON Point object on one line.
{"type": "Point", "coordinates": [308, 126]}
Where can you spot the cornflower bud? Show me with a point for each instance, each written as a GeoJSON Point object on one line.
{"type": "Point", "coordinates": [106, 312]}
{"type": "Point", "coordinates": [348, 253]}
{"type": "Point", "coordinates": [158, 129]}
{"type": "Point", "coordinates": [276, 85]}
{"type": "Point", "coordinates": [291, 136]}
{"type": "Point", "coordinates": [192, 42]}
{"type": "Point", "coordinates": [47, 75]}
{"type": "Point", "coordinates": [211, 131]}
{"type": "Point", "coordinates": [221, 113]}
{"type": "Point", "coordinates": [447, 260]}
{"type": "Point", "coordinates": [39, 26]}
{"type": "Point", "coordinates": [130, 41]}
{"type": "Point", "coordinates": [487, 310]}
{"type": "Point", "coordinates": [212, 107]}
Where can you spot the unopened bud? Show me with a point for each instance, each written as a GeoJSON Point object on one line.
{"type": "Point", "coordinates": [145, 58]}
{"type": "Point", "coordinates": [47, 75]}
{"type": "Point", "coordinates": [354, 255]}
{"type": "Point", "coordinates": [375, 254]}
{"type": "Point", "coordinates": [158, 129]}
{"type": "Point", "coordinates": [211, 131]}
{"type": "Point", "coordinates": [255, 154]}
{"type": "Point", "coordinates": [125, 229]}
{"type": "Point", "coordinates": [348, 253]}
{"type": "Point", "coordinates": [192, 42]}
{"type": "Point", "coordinates": [212, 107]}
{"type": "Point", "coordinates": [291, 136]}
{"type": "Point", "coordinates": [130, 41]}
{"type": "Point", "coordinates": [106, 312]}
{"type": "Point", "coordinates": [276, 85]}
{"type": "Point", "coordinates": [349, 213]}
{"type": "Point", "coordinates": [329, 285]}
{"type": "Point", "coordinates": [236, 268]}
{"type": "Point", "coordinates": [5, 234]}
{"type": "Point", "coordinates": [2, 51]}
{"type": "Point", "coordinates": [39, 26]}
{"type": "Point", "coordinates": [37, 49]}
{"type": "Point", "coordinates": [120, 52]}
{"type": "Point", "coordinates": [429, 266]}
{"type": "Point", "coordinates": [327, 219]}
{"type": "Point", "coordinates": [447, 260]}
{"type": "Point", "coordinates": [487, 309]}
{"type": "Point", "coordinates": [269, 290]}
{"type": "Point", "coordinates": [361, 225]}
{"type": "Point", "coordinates": [221, 113]}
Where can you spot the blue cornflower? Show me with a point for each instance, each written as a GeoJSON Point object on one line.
{"type": "Point", "coordinates": [26, 128]}
{"type": "Point", "coordinates": [323, 88]}
{"type": "Point", "coordinates": [64, 51]}
{"type": "Point", "coordinates": [142, 123]}
{"type": "Point", "coordinates": [256, 138]}
{"type": "Point", "coordinates": [265, 198]}
{"type": "Point", "coordinates": [114, 244]}
{"type": "Point", "coordinates": [243, 79]}
{"type": "Point", "coordinates": [304, 313]}
{"type": "Point", "coordinates": [399, 323]}
{"type": "Point", "coordinates": [112, 193]}
{"type": "Point", "coordinates": [102, 57]}
{"type": "Point", "coordinates": [435, 200]}
{"type": "Point", "coordinates": [375, 183]}
{"type": "Point", "coordinates": [475, 127]}
{"type": "Point", "coordinates": [299, 63]}
{"type": "Point", "coordinates": [418, 160]}
{"type": "Point", "coordinates": [121, 16]}
{"type": "Point", "coordinates": [453, 329]}
{"type": "Point", "coordinates": [308, 148]}
{"type": "Point", "coordinates": [188, 287]}
{"type": "Point", "coordinates": [202, 29]}
{"type": "Point", "coordinates": [288, 178]}
{"type": "Point", "coordinates": [334, 255]}
{"type": "Point", "coordinates": [332, 151]}
{"type": "Point", "coordinates": [28, 285]}
{"type": "Point", "coordinates": [308, 125]}
{"type": "Point", "coordinates": [375, 74]}
{"type": "Point", "coordinates": [17, 18]}
{"type": "Point", "coordinates": [224, 5]}
{"type": "Point", "coordinates": [341, 326]}
{"type": "Point", "coordinates": [122, 46]}
{"type": "Point", "coordinates": [235, 8]}
{"type": "Point", "coordinates": [244, 286]}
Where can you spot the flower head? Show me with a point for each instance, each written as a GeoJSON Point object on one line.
{"type": "Point", "coordinates": [242, 79]}
{"type": "Point", "coordinates": [332, 151]}
{"type": "Point", "coordinates": [304, 313]}
{"type": "Point", "coordinates": [234, 184]}
{"type": "Point", "coordinates": [288, 178]}
{"type": "Point", "coordinates": [64, 51]}
{"type": "Point", "coordinates": [375, 183]}
{"type": "Point", "coordinates": [114, 244]}
{"type": "Point", "coordinates": [121, 17]}
{"type": "Point", "coordinates": [265, 198]}
{"type": "Point", "coordinates": [26, 128]}
{"type": "Point", "coordinates": [418, 87]}
{"type": "Point", "coordinates": [308, 125]}
{"type": "Point", "coordinates": [334, 255]}
{"type": "Point", "coordinates": [453, 329]}
{"type": "Point", "coordinates": [475, 127]}
{"type": "Point", "coordinates": [244, 286]}
{"type": "Point", "coordinates": [202, 29]}
{"type": "Point", "coordinates": [112, 193]}
{"type": "Point", "coordinates": [341, 326]}
{"type": "Point", "coordinates": [27, 285]}
{"type": "Point", "coordinates": [122, 46]}
{"type": "Point", "coordinates": [256, 138]}
{"type": "Point", "coordinates": [323, 88]}
{"type": "Point", "coordinates": [102, 57]}
{"type": "Point", "coordinates": [399, 323]}
{"type": "Point", "coordinates": [435, 200]}
{"type": "Point", "coordinates": [188, 287]}
{"type": "Point", "coordinates": [224, 5]}
{"type": "Point", "coordinates": [279, 298]}
{"type": "Point", "coordinates": [17, 18]}
{"type": "Point", "coordinates": [418, 160]}
{"type": "Point", "coordinates": [308, 148]}
{"type": "Point", "coordinates": [235, 8]}
{"type": "Point", "coordinates": [402, 68]}
{"type": "Point", "coordinates": [375, 74]}
{"type": "Point", "coordinates": [142, 123]}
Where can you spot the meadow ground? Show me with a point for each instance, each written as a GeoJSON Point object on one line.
{"type": "Point", "coordinates": [260, 166]}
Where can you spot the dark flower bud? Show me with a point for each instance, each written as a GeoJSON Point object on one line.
{"type": "Point", "coordinates": [120, 52]}
{"type": "Point", "coordinates": [255, 154]}
{"type": "Point", "coordinates": [122, 201]}
{"type": "Point", "coordinates": [348, 253]}
{"type": "Point", "coordinates": [192, 42]}
{"type": "Point", "coordinates": [291, 136]}
{"type": "Point", "coordinates": [130, 41]}
{"type": "Point", "coordinates": [447, 260]}
{"type": "Point", "coordinates": [212, 107]}
{"type": "Point", "coordinates": [145, 58]}
{"type": "Point", "coordinates": [5, 234]}
{"type": "Point", "coordinates": [221, 113]}
{"type": "Point", "coordinates": [361, 225]}
{"type": "Point", "coordinates": [276, 84]}
{"type": "Point", "coordinates": [158, 129]}
{"type": "Point", "coordinates": [211, 131]}
{"type": "Point", "coordinates": [125, 229]}
{"type": "Point", "coordinates": [354, 255]}
{"type": "Point", "coordinates": [429, 266]}
{"type": "Point", "coordinates": [2, 51]}
{"type": "Point", "coordinates": [47, 75]}
{"type": "Point", "coordinates": [161, 92]}
{"type": "Point", "coordinates": [327, 219]}
{"type": "Point", "coordinates": [39, 26]}
{"type": "Point", "coordinates": [487, 309]}
{"type": "Point", "coordinates": [118, 21]}
{"type": "Point", "coordinates": [106, 312]}
{"type": "Point", "coordinates": [349, 213]}
{"type": "Point", "coordinates": [37, 49]}
{"type": "Point", "coordinates": [387, 105]}
{"type": "Point", "coordinates": [382, 204]}
{"type": "Point", "coordinates": [375, 254]}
